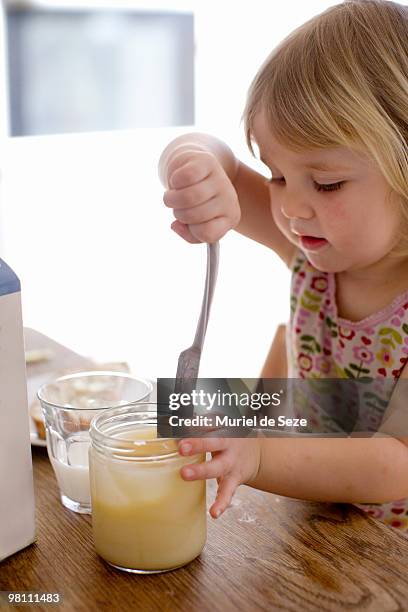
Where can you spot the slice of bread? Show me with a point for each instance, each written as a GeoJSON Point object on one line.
{"type": "Point", "coordinates": [37, 416]}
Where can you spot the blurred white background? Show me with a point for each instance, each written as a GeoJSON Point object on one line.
{"type": "Point", "coordinates": [83, 224]}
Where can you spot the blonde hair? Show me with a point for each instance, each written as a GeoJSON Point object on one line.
{"type": "Point", "coordinates": [341, 79]}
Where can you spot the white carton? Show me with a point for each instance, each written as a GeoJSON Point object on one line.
{"type": "Point", "coordinates": [17, 523]}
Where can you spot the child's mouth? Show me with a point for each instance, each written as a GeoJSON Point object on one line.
{"type": "Point", "coordinates": [311, 243]}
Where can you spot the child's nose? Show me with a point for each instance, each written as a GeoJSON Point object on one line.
{"type": "Point", "coordinates": [295, 206]}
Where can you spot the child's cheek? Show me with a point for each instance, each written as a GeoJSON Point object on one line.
{"type": "Point", "coordinates": [338, 212]}
{"type": "Point", "coordinates": [338, 221]}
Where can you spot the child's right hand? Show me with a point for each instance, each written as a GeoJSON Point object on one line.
{"type": "Point", "coordinates": [204, 201]}
{"type": "Point", "coordinates": [235, 461]}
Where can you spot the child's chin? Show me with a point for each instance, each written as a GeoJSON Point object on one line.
{"type": "Point", "coordinates": [325, 264]}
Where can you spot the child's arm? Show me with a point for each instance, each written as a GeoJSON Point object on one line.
{"type": "Point", "coordinates": [353, 470]}
{"type": "Point", "coordinates": [350, 470]}
{"type": "Point", "coordinates": [211, 191]}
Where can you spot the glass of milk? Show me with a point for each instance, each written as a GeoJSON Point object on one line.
{"type": "Point", "coordinates": [69, 404]}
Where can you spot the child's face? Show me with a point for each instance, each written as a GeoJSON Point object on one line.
{"type": "Point", "coordinates": [333, 203]}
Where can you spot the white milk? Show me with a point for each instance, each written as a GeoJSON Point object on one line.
{"type": "Point", "coordinates": [73, 473]}
{"type": "Point", "coordinates": [17, 525]}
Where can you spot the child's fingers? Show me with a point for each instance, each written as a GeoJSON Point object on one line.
{"type": "Point", "coordinates": [195, 446]}
{"type": "Point", "coordinates": [226, 490]}
{"type": "Point", "coordinates": [190, 173]}
{"type": "Point", "coordinates": [182, 230]}
{"type": "Point", "coordinates": [211, 231]}
{"type": "Point", "coordinates": [208, 469]}
{"type": "Point", "coordinates": [190, 196]}
{"type": "Point", "coordinates": [200, 214]}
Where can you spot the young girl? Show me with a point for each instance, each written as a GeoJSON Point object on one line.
{"type": "Point", "coordinates": [328, 112]}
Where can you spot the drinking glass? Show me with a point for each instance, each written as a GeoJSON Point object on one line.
{"type": "Point", "coordinates": [69, 403]}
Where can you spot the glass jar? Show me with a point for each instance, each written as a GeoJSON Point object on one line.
{"type": "Point", "coordinates": [145, 517]}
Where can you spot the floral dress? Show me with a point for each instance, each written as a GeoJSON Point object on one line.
{"type": "Point", "coordinates": [321, 344]}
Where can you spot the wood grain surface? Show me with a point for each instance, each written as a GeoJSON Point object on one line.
{"type": "Point", "coordinates": [265, 553]}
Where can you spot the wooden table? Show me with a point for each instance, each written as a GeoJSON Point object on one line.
{"type": "Point", "coordinates": [265, 553]}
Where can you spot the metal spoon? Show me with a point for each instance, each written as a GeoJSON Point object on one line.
{"type": "Point", "coordinates": [189, 360]}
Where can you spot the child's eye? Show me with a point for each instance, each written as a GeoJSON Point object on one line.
{"type": "Point", "coordinates": [280, 180]}
{"type": "Point", "coordinates": [329, 186]}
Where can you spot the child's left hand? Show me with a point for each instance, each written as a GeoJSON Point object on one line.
{"type": "Point", "coordinates": [234, 461]}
